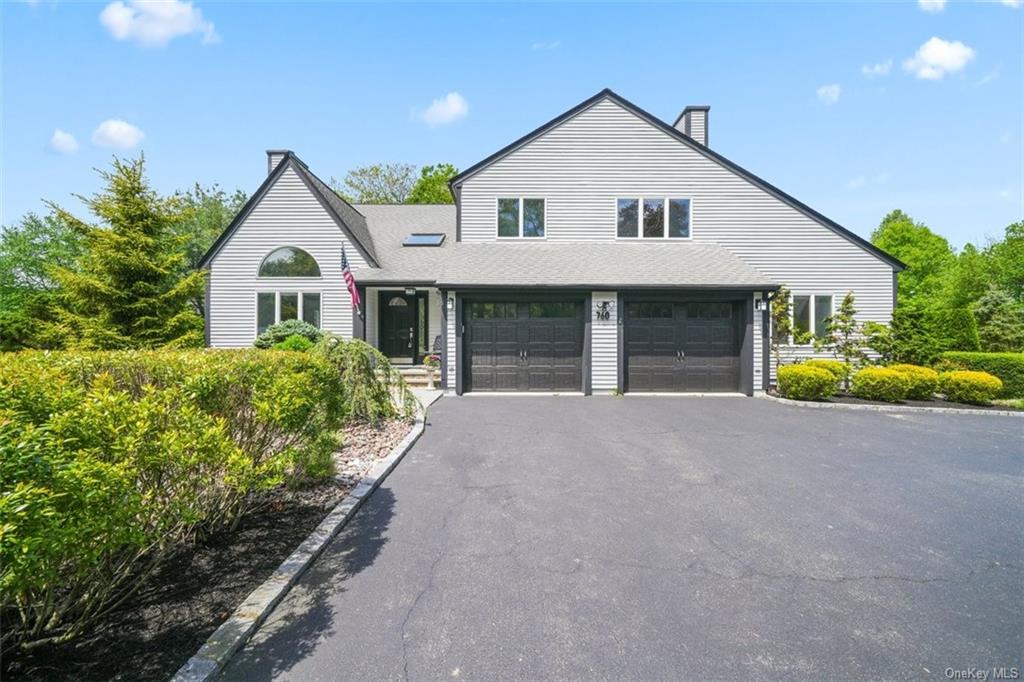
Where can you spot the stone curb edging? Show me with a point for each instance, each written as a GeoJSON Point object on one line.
{"type": "Point", "coordinates": [892, 408]}
{"type": "Point", "coordinates": [233, 633]}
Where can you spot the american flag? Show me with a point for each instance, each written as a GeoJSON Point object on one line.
{"type": "Point", "coordinates": [350, 281]}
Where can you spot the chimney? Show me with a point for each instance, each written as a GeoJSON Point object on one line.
{"type": "Point", "coordinates": [274, 157]}
{"type": "Point", "coordinates": [693, 122]}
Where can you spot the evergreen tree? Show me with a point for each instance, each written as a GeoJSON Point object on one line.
{"type": "Point", "coordinates": [845, 336]}
{"type": "Point", "coordinates": [1000, 321]}
{"type": "Point", "coordinates": [128, 290]}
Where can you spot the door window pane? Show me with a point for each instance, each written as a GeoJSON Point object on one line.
{"type": "Point", "coordinates": [650, 310]}
{"type": "Point", "coordinates": [311, 308]}
{"type": "Point", "coordinates": [822, 311]}
{"type": "Point", "coordinates": [679, 218]}
{"type": "Point", "coordinates": [553, 309]}
{"type": "Point", "coordinates": [508, 217]}
{"type": "Point", "coordinates": [289, 307]}
{"type": "Point", "coordinates": [424, 343]}
{"type": "Point", "coordinates": [264, 310]}
{"type": "Point", "coordinates": [533, 217]}
{"type": "Point", "coordinates": [489, 311]}
{"type": "Point", "coordinates": [654, 218]}
{"type": "Point", "coordinates": [801, 315]}
{"type": "Point", "coordinates": [628, 217]}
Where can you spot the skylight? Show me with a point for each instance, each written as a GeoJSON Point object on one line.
{"type": "Point", "coordinates": [424, 239]}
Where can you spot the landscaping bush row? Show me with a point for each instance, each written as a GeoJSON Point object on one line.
{"type": "Point", "coordinates": [818, 379]}
{"type": "Point", "coordinates": [109, 460]}
{"type": "Point", "coordinates": [1008, 367]}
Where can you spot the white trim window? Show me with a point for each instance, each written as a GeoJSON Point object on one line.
{"type": "Point", "coordinates": [811, 309]}
{"type": "Point", "coordinates": [277, 306]}
{"type": "Point", "coordinates": [521, 218]}
{"type": "Point", "coordinates": [652, 218]}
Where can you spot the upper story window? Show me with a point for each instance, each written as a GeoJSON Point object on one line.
{"type": "Point", "coordinates": [289, 262]}
{"type": "Point", "coordinates": [521, 218]}
{"type": "Point", "coordinates": [653, 218]}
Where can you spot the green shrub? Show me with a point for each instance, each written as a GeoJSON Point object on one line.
{"type": "Point", "coordinates": [954, 329]}
{"type": "Point", "coordinates": [977, 388]}
{"type": "Point", "coordinates": [374, 388]}
{"type": "Point", "coordinates": [803, 382]}
{"type": "Point", "coordinates": [1008, 367]}
{"type": "Point", "coordinates": [276, 333]}
{"type": "Point", "coordinates": [109, 460]}
{"type": "Point", "coordinates": [922, 382]}
{"type": "Point", "coordinates": [880, 383]}
{"type": "Point", "coordinates": [295, 342]}
{"type": "Point", "coordinates": [839, 369]}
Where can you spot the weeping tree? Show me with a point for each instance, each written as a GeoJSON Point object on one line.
{"type": "Point", "coordinates": [128, 288]}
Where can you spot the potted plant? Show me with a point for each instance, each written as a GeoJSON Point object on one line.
{"type": "Point", "coordinates": [432, 361]}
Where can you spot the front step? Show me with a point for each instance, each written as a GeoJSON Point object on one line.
{"type": "Point", "coordinates": [418, 376]}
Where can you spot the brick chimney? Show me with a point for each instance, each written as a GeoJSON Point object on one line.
{"type": "Point", "coordinates": [693, 122]}
{"type": "Point", "coordinates": [274, 157]}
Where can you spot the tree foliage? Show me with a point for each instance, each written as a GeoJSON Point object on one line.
{"type": "Point", "coordinates": [129, 287]}
{"type": "Point", "coordinates": [927, 255]}
{"type": "Point", "coordinates": [432, 186]}
{"type": "Point", "coordinates": [380, 183]}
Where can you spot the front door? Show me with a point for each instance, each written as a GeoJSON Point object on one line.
{"type": "Point", "coordinates": [398, 325]}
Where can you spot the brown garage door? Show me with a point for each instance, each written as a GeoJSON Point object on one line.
{"type": "Point", "coordinates": [682, 347]}
{"type": "Point", "coordinates": [524, 345]}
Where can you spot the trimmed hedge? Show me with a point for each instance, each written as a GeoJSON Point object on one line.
{"type": "Point", "coordinates": [922, 382]}
{"type": "Point", "coordinates": [804, 382]}
{"type": "Point", "coordinates": [1008, 367]}
{"type": "Point", "coordinates": [111, 460]}
{"type": "Point", "coordinates": [880, 383]}
{"type": "Point", "coordinates": [295, 342]}
{"type": "Point", "coordinates": [964, 386]}
{"type": "Point", "coordinates": [839, 369]}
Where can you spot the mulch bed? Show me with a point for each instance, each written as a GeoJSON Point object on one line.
{"type": "Point", "coordinates": [845, 399]}
{"type": "Point", "coordinates": [153, 635]}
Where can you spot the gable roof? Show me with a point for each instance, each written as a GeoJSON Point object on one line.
{"type": "Point", "coordinates": [349, 220]}
{"type": "Point", "coordinates": [693, 144]}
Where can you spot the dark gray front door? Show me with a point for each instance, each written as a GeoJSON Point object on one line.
{"type": "Point", "coordinates": [682, 347]}
{"type": "Point", "coordinates": [398, 325]}
{"type": "Point", "coordinates": [524, 345]}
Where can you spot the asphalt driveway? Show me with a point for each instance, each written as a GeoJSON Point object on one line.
{"type": "Point", "coordinates": [665, 538]}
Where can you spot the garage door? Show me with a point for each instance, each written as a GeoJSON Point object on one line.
{"type": "Point", "coordinates": [524, 345]}
{"type": "Point", "coordinates": [677, 347]}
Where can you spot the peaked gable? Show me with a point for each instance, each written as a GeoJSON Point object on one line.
{"type": "Point", "coordinates": [609, 95]}
{"type": "Point", "coordinates": [350, 221]}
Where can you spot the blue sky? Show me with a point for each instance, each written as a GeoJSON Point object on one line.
{"type": "Point", "coordinates": [854, 108]}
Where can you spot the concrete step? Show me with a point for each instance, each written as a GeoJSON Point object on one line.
{"type": "Point", "coordinates": [418, 376]}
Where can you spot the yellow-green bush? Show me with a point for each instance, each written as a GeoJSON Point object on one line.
{"type": "Point", "coordinates": [803, 382]}
{"type": "Point", "coordinates": [108, 460]}
{"type": "Point", "coordinates": [964, 386]}
{"type": "Point", "coordinates": [880, 383]}
{"type": "Point", "coordinates": [839, 369]}
{"type": "Point", "coordinates": [922, 382]}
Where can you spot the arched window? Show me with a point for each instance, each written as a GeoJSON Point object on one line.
{"type": "Point", "coordinates": [289, 262]}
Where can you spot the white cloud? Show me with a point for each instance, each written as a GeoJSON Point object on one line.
{"type": "Point", "coordinates": [118, 134]}
{"type": "Point", "coordinates": [989, 77]}
{"type": "Point", "coordinates": [931, 5]}
{"type": "Point", "coordinates": [857, 182]}
{"type": "Point", "coordinates": [862, 181]}
{"type": "Point", "coordinates": [937, 57]}
{"type": "Point", "coordinates": [546, 45]}
{"type": "Point", "coordinates": [1010, 3]}
{"type": "Point", "coordinates": [880, 69]}
{"type": "Point", "coordinates": [154, 23]}
{"type": "Point", "coordinates": [448, 109]}
{"type": "Point", "coordinates": [63, 143]}
{"type": "Point", "coordinates": [829, 94]}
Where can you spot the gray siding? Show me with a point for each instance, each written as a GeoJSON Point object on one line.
{"type": "Point", "coordinates": [288, 215]}
{"type": "Point", "coordinates": [604, 340]}
{"type": "Point", "coordinates": [453, 359]}
{"type": "Point", "coordinates": [581, 166]}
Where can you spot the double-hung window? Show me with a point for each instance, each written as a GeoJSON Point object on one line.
{"type": "Point", "coordinates": [277, 306]}
{"type": "Point", "coordinates": [652, 218]}
{"type": "Point", "coordinates": [521, 218]}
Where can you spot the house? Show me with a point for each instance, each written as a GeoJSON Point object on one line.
{"type": "Point", "coordinates": [604, 251]}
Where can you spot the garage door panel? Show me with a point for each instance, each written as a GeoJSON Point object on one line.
{"type": "Point", "coordinates": [534, 346]}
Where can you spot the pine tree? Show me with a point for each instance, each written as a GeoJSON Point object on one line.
{"type": "Point", "coordinates": [128, 290]}
{"type": "Point", "coordinates": [846, 337]}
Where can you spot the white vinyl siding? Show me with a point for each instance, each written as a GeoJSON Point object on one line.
{"type": "Point", "coordinates": [759, 347]}
{"type": "Point", "coordinates": [606, 152]}
{"type": "Point", "coordinates": [287, 215]}
{"type": "Point", "coordinates": [698, 126]}
{"type": "Point", "coordinates": [452, 359]}
{"type": "Point", "coordinates": [604, 340]}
